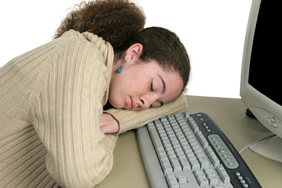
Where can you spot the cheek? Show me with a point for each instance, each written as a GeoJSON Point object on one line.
{"type": "Point", "coordinates": [135, 81]}
{"type": "Point", "coordinates": [114, 92]}
{"type": "Point", "coordinates": [130, 82]}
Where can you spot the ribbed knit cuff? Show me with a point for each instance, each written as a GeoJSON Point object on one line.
{"type": "Point", "coordinates": [135, 119]}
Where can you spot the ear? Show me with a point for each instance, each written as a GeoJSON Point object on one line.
{"type": "Point", "coordinates": [133, 52]}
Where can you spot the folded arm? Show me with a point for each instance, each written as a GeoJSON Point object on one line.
{"type": "Point", "coordinates": [123, 120]}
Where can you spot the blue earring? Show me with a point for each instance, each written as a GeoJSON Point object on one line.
{"type": "Point", "coordinates": [120, 68]}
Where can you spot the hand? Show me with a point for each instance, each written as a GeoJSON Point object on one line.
{"type": "Point", "coordinates": [108, 124]}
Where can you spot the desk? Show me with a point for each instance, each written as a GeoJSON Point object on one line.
{"type": "Point", "coordinates": [229, 114]}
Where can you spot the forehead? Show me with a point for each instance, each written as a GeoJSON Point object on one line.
{"type": "Point", "coordinates": [174, 86]}
{"type": "Point", "coordinates": [172, 80]}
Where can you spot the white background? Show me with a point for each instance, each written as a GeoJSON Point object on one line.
{"type": "Point", "coordinates": [212, 31]}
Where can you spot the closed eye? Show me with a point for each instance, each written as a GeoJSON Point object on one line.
{"type": "Point", "coordinates": [152, 86]}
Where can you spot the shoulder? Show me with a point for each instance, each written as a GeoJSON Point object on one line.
{"type": "Point", "coordinates": [89, 44]}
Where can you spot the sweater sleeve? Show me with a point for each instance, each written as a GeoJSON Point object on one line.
{"type": "Point", "coordinates": [135, 119]}
{"type": "Point", "coordinates": [66, 117]}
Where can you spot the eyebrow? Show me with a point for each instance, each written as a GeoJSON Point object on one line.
{"type": "Point", "coordinates": [164, 86]}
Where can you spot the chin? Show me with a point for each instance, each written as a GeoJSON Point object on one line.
{"type": "Point", "coordinates": [115, 105]}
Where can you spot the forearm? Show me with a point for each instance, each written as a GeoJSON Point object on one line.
{"type": "Point", "coordinates": [134, 119]}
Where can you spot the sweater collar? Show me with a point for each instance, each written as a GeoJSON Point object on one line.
{"type": "Point", "coordinates": [105, 48]}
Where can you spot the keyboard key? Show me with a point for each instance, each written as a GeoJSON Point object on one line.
{"type": "Point", "coordinates": [172, 182]}
{"type": "Point", "coordinates": [194, 164]}
{"type": "Point", "coordinates": [150, 125]}
{"type": "Point", "coordinates": [199, 173]}
{"type": "Point", "coordinates": [213, 180]}
{"type": "Point", "coordinates": [185, 164]}
{"type": "Point", "coordinates": [182, 179]}
{"type": "Point", "coordinates": [203, 181]}
{"type": "Point", "coordinates": [165, 161]}
{"type": "Point", "coordinates": [217, 186]}
{"type": "Point", "coordinates": [189, 153]}
{"type": "Point", "coordinates": [175, 164]}
{"type": "Point", "coordinates": [223, 174]}
{"type": "Point", "coordinates": [201, 177]}
{"type": "Point", "coordinates": [187, 115]}
{"type": "Point", "coordinates": [193, 125]}
{"type": "Point", "coordinates": [156, 139]}
{"type": "Point", "coordinates": [167, 168]}
{"type": "Point", "coordinates": [213, 158]}
{"type": "Point", "coordinates": [202, 139]}
{"type": "Point", "coordinates": [211, 175]}
{"type": "Point", "coordinates": [203, 161]}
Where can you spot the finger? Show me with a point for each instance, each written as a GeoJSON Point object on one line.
{"type": "Point", "coordinates": [109, 129]}
{"type": "Point", "coordinates": [103, 128]}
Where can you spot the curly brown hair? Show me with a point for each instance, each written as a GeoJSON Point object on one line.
{"type": "Point", "coordinates": [121, 23]}
{"type": "Point", "coordinates": [113, 20]}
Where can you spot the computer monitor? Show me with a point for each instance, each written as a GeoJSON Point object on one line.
{"type": "Point", "coordinates": [261, 87]}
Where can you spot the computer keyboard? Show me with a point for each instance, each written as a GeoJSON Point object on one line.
{"type": "Point", "coordinates": [190, 151]}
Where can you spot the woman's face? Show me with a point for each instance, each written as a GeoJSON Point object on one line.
{"type": "Point", "coordinates": [143, 85]}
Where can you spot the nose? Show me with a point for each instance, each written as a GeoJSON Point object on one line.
{"type": "Point", "coordinates": [147, 100]}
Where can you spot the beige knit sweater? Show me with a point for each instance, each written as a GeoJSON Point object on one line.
{"type": "Point", "coordinates": [51, 100]}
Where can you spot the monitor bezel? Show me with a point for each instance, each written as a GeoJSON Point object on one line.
{"type": "Point", "coordinates": [260, 105]}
